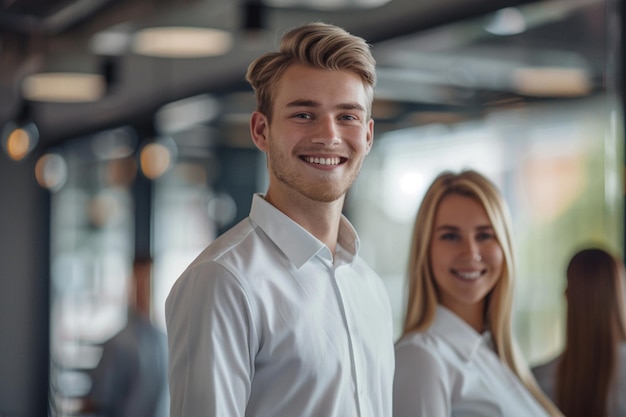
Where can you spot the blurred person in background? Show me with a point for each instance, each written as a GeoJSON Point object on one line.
{"type": "Point", "coordinates": [457, 355]}
{"type": "Point", "coordinates": [589, 377]}
{"type": "Point", "coordinates": [280, 316]}
{"type": "Point", "coordinates": [131, 377]}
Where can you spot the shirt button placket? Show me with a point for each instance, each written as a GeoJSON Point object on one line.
{"type": "Point", "coordinates": [354, 338]}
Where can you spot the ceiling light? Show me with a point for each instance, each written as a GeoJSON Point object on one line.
{"type": "Point", "coordinates": [506, 22]}
{"type": "Point", "coordinates": [181, 42]}
{"type": "Point", "coordinates": [110, 42]}
{"type": "Point", "coordinates": [51, 171]}
{"type": "Point", "coordinates": [552, 82]}
{"type": "Point", "coordinates": [19, 139]}
{"type": "Point", "coordinates": [20, 135]}
{"type": "Point", "coordinates": [156, 158]}
{"type": "Point", "coordinates": [183, 114]}
{"type": "Point", "coordinates": [65, 87]}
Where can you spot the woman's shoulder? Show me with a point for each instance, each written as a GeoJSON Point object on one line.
{"type": "Point", "coordinates": [423, 346]}
{"type": "Point", "coordinates": [420, 353]}
{"type": "Point", "coordinates": [424, 339]}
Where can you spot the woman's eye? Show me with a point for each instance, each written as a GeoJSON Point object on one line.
{"type": "Point", "coordinates": [484, 236]}
{"type": "Point", "coordinates": [449, 236]}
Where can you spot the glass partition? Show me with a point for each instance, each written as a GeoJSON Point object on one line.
{"type": "Point", "coordinates": [92, 241]}
{"type": "Point", "coordinates": [559, 167]}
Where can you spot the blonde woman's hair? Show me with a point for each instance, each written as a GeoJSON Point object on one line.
{"type": "Point", "coordinates": [596, 326]}
{"type": "Point", "coordinates": [317, 45]}
{"type": "Point", "coordinates": [423, 296]}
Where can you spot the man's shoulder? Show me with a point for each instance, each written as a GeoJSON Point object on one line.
{"type": "Point", "coordinates": [235, 242]}
{"type": "Point", "coordinates": [228, 241]}
{"type": "Point", "coordinates": [237, 253]}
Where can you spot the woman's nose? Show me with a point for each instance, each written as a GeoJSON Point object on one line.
{"type": "Point", "coordinates": [472, 250]}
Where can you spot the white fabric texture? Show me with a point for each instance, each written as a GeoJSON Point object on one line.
{"type": "Point", "coordinates": [451, 370]}
{"type": "Point", "coordinates": [264, 323]}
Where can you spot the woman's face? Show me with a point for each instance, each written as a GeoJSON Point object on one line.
{"type": "Point", "coordinates": [465, 255]}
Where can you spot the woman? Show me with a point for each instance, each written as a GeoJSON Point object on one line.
{"type": "Point", "coordinates": [457, 356]}
{"type": "Point", "coordinates": [589, 377]}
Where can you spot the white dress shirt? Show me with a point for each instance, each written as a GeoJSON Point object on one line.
{"type": "Point", "coordinates": [264, 324]}
{"type": "Point", "coordinates": [546, 378]}
{"type": "Point", "coordinates": [451, 370]}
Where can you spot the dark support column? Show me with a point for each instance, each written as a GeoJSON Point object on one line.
{"type": "Point", "coordinates": [142, 196]}
{"type": "Point", "coordinates": [24, 290]}
{"type": "Point", "coordinates": [239, 177]}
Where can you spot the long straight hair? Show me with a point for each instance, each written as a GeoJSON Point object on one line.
{"type": "Point", "coordinates": [596, 326]}
{"type": "Point", "coordinates": [423, 296]}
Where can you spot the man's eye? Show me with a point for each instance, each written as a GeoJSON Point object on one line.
{"type": "Point", "coordinates": [302, 116]}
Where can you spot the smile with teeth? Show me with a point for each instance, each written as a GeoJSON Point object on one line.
{"type": "Point", "coordinates": [468, 275]}
{"type": "Point", "coordinates": [322, 161]}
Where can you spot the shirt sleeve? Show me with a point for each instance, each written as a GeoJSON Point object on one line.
{"type": "Point", "coordinates": [420, 387]}
{"type": "Point", "coordinates": [210, 332]}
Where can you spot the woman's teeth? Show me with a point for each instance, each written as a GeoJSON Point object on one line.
{"type": "Point", "coordinates": [470, 276]}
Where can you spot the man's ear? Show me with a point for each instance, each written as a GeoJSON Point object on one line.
{"type": "Point", "coordinates": [259, 126]}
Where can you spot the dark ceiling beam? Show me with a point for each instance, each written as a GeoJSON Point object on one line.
{"type": "Point", "coordinates": [53, 21]}
{"type": "Point", "coordinates": [406, 24]}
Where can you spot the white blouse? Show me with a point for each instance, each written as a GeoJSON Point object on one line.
{"type": "Point", "coordinates": [451, 370]}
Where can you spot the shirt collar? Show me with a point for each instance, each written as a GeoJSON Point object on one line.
{"type": "Point", "coordinates": [463, 338]}
{"type": "Point", "coordinates": [295, 241]}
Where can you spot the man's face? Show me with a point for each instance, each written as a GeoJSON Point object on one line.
{"type": "Point", "coordinates": [319, 134]}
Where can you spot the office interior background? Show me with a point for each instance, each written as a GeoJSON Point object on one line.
{"type": "Point", "coordinates": [148, 151]}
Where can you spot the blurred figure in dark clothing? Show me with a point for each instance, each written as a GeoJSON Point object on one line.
{"type": "Point", "coordinates": [131, 377]}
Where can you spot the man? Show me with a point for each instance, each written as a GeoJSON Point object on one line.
{"type": "Point", "coordinates": [131, 377]}
{"type": "Point", "coordinates": [280, 316]}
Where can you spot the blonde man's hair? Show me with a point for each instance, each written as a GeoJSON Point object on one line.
{"type": "Point", "coordinates": [317, 45]}
{"type": "Point", "coordinates": [423, 296]}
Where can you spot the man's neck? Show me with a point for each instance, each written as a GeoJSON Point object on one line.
{"type": "Point", "coordinates": [321, 219]}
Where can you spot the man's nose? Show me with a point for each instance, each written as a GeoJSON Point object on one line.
{"type": "Point", "coordinates": [327, 131]}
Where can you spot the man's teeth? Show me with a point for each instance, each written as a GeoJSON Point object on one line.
{"type": "Point", "coordinates": [322, 161]}
{"type": "Point", "coordinates": [469, 275]}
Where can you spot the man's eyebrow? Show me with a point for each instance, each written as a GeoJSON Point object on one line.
{"type": "Point", "coordinates": [351, 106]}
{"type": "Point", "coordinates": [303, 103]}
{"type": "Point", "coordinates": [313, 103]}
